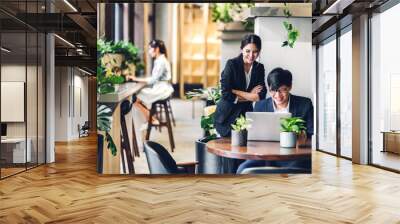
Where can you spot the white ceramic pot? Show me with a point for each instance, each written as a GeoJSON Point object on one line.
{"type": "Point", "coordinates": [288, 139]}
{"type": "Point", "coordinates": [239, 138]}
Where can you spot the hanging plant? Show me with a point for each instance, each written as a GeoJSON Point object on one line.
{"type": "Point", "coordinates": [292, 32]}
{"type": "Point", "coordinates": [104, 121]}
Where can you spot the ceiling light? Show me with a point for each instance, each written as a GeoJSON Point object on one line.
{"type": "Point", "coordinates": [337, 7]}
{"type": "Point", "coordinates": [5, 50]}
{"type": "Point", "coordinates": [70, 5]}
{"type": "Point", "coordinates": [84, 71]}
{"type": "Point", "coordinates": [64, 40]}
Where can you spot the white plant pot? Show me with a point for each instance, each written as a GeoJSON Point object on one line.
{"type": "Point", "coordinates": [288, 139]}
{"type": "Point", "coordinates": [239, 138]}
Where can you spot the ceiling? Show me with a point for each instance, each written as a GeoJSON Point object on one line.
{"type": "Point", "coordinates": [331, 15]}
{"type": "Point", "coordinates": [74, 22]}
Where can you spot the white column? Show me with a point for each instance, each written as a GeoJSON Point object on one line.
{"type": "Point", "coordinates": [360, 90]}
{"type": "Point", "coordinates": [50, 99]}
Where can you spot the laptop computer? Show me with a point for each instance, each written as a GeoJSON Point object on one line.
{"type": "Point", "coordinates": [265, 126]}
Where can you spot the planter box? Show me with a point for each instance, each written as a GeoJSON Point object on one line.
{"type": "Point", "coordinates": [231, 26]}
{"type": "Point", "coordinates": [208, 163]}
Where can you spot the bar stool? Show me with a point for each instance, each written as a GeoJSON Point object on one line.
{"type": "Point", "coordinates": [160, 109]}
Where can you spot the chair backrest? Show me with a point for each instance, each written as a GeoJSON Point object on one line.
{"type": "Point", "coordinates": [158, 159]}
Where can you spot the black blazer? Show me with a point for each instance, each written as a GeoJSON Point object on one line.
{"type": "Point", "coordinates": [233, 77]}
{"type": "Point", "coordinates": [299, 107]}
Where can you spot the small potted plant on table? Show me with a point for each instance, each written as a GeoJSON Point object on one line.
{"type": "Point", "coordinates": [291, 127]}
{"type": "Point", "coordinates": [239, 131]}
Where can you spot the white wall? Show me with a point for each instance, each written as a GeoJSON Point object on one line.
{"type": "Point", "coordinates": [298, 60]}
{"type": "Point", "coordinates": [70, 83]}
{"type": "Point", "coordinates": [229, 49]}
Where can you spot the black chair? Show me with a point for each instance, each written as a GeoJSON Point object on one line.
{"type": "Point", "coordinates": [161, 162]}
{"type": "Point", "coordinates": [84, 130]}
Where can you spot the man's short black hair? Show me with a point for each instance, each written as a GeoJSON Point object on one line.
{"type": "Point", "coordinates": [279, 77]}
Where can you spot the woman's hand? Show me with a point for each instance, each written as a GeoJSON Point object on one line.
{"type": "Point", "coordinates": [256, 89]}
{"type": "Point", "coordinates": [248, 96]}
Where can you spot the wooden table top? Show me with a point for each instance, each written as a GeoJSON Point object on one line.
{"type": "Point", "coordinates": [256, 150]}
{"type": "Point", "coordinates": [125, 90]}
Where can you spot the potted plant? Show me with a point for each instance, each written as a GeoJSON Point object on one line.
{"type": "Point", "coordinates": [291, 127]}
{"type": "Point", "coordinates": [115, 61]}
{"type": "Point", "coordinates": [239, 131]}
{"type": "Point", "coordinates": [228, 15]}
{"type": "Point", "coordinates": [208, 163]}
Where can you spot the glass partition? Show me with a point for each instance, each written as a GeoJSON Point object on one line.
{"type": "Point", "coordinates": [22, 89]}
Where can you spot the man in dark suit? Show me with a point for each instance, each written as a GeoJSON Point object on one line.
{"type": "Point", "coordinates": [279, 85]}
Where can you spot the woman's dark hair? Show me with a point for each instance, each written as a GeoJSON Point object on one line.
{"type": "Point", "coordinates": [251, 39]}
{"type": "Point", "coordinates": [160, 44]}
{"type": "Point", "coordinates": [279, 77]}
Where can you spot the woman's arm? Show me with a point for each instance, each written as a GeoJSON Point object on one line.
{"type": "Point", "coordinates": [135, 79]}
{"type": "Point", "coordinates": [226, 83]}
{"type": "Point", "coordinates": [249, 96]}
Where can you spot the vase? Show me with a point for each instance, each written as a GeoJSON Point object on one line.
{"type": "Point", "coordinates": [239, 138]}
{"type": "Point", "coordinates": [288, 139]}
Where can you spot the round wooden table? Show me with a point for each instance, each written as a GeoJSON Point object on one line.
{"type": "Point", "coordinates": [256, 150]}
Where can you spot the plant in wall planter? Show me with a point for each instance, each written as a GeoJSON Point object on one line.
{"type": "Point", "coordinates": [104, 121]}
{"type": "Point", "coordinates": [239, 131]}
{"type": "Point", "coordinates": [228, 14]}
{"type": "Point", "coordinates": [115, 61]}
{"type": "Point", "coordinates": [291, 127]}
{"type": "Point", "coordinates": [292, 33]}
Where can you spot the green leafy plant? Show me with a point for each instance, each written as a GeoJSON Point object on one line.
{"type": "Point", "coordinates": [241, 123]}
{"type": "Point", "coordinates": [292, 33]}
{"type": "Point", "coordinates": [229, 12]}
{"type": "Point", "coordinates": [293, 124]}
{"type": "Point", "coordinates": [212, 94]}
{"type": "Point", "coordinates": [112, 70]}
{"type": "Point", "coordinates": [104, 121]}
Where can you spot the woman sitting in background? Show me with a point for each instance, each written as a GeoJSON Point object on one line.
{"type": "Point", "coordinates": [159, 86]}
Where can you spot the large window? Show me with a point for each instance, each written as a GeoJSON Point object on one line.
{"type": "Point", "coordinates": [327, 96]}
{"type": "Point", "coordinates": [385, 85]}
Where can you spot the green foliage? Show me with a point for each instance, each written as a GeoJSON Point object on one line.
{"type": "Point", "coordinates": [241, 123]}
{"type": "Point", "coordinates": [226, 12]}
{"type": "Point", "coordinates": [292, 33]}
{"type": "Point", "coordinates": [212, 93]}
{"type": "Point", "coordinates": [293, 124]}
{"type": "Point", "coordinates": [106, 77]}
{"type": "Point", "coordinates": [104, 121]}
{"type": "Point", "coordinates": [207, 124]}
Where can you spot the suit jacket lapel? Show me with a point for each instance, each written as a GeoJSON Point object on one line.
{"type": "Point", "coordinates": [292, 108]}
{"type": "Point", "coordinates": [241, 78]}
{"type": "Point", "coordinates": [270, 107]}
{"type": "Point", "coordinates": [252, 76]}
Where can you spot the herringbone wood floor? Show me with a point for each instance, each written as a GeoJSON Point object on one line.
{"type": "Point", "coordinates": [70, 191]}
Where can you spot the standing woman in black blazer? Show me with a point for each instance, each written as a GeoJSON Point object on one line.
{"type": "Point", "coordinates": [242, 83]}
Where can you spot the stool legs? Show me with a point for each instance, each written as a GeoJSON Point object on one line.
{"type": "Point", "coordinates": [163, 107]}
{"type": "Point", "coordinates": [170, 135]}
